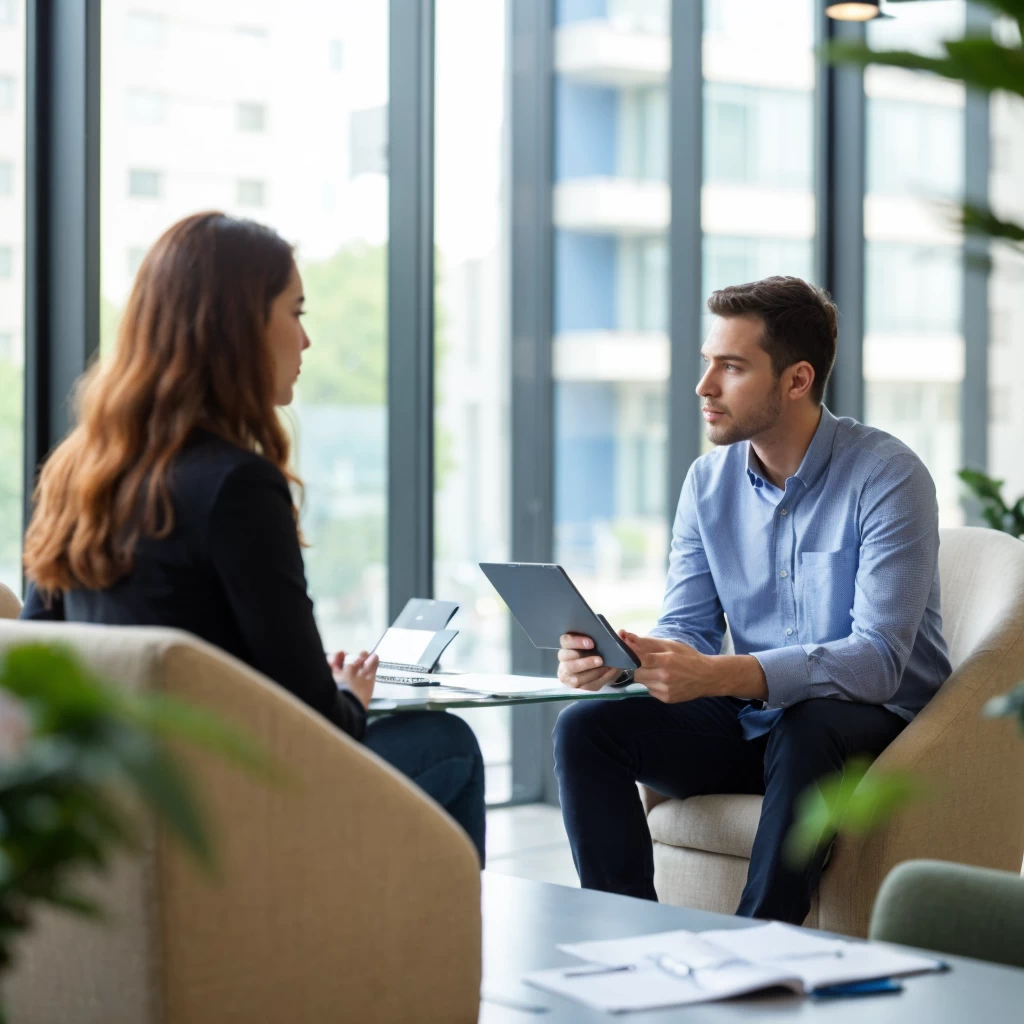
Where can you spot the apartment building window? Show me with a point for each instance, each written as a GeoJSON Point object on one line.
{"type": "Point", "coordinates": [136, 254]}
{"type": "Point", "coordinates": [146, 106]}
{"type": "Point", "coordinates": [252, 117]}
{"type": "Point", "coordinates": [368, 141]}
{"type": "Point", "coordinates": [6, 261]}
{"type": "Point", "coordinates": [643, 279]}
{"type": "Point", "coordinates": [1000, 404]}
{"type": "Point", "coordinates": [643, 134]}
{"type": "Point", "coordinates": [145, 28]}
{"type": "Point", "coordinates": [6, 92]}
{"type": "Point", "coordinates": [914, 148]}
{"type": "Point", "coordinates": [145, 184]}
{"type": "Point", "coordinates": [336, 55]}
{"type": "Point", "coordinates": [912, 288]}
{"type": "Point", "coordinates": [6, 178]}
{"type": "Point", "coordinates": [251, 192]}
{"type": "Point", "coordinates": [758, 136]}
{"type": "Point", "coordinates": [999, 325]}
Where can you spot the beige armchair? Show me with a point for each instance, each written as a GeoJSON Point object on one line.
{"type": "Point", "coordinates": [344, 893]}
{"type": "Point", "coordinates": [976, 767]}
{"type": "Point", "coordinates": [10, 605]}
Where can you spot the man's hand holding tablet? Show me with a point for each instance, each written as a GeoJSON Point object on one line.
{"type": "Point", "coordinates": [578, 665]}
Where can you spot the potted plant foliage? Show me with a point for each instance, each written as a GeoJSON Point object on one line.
{"type": "Point", "coordinates": [78, 758]}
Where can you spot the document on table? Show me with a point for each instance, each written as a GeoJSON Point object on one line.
{"type": "Point", "coordinates": [496, 685]}
{"type": "Point", "coordinates": [677, 968]}
{"type": "Point", "coordinates": [464, 685]}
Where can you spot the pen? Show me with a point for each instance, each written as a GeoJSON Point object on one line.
{"type": "Point", "coordinates": [583, 972]}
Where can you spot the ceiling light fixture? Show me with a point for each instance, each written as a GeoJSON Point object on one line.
{"type": "Point", "coordinates": [854, 10]}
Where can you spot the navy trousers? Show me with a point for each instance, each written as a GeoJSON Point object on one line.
{"type": "Point", "coordinates": [604, 748]}
{"type": "Point", "coordinates": [439, 752]}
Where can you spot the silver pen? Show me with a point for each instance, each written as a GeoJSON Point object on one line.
{"type": "Point", "coordinates": [585, 972]}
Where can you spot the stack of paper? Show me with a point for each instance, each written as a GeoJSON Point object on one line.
{"type": "Point", "coordinates": [681, 967]}
{"type": "Point", "coordinates": [495, 685]}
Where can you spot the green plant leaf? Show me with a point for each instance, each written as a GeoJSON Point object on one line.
{"type": "Point", "coordinates": [984, 487]}
{"type": "Point", "coordinates": [172, 718]}
{"type": "Point", "coordinates": [982, 220]}
{"type": "Point", "coordinates": [52, 681]}
{"type": "Point", "coordinates": [852, 801]}
{"type": "Point", "coordinates": [1007, 705]}
{"type": "Point", "coordinates": [980, 62]}
{"type": "Point", "coordinates": [169, 793]}
{"type": "Point", "coordinates": [67, 899]}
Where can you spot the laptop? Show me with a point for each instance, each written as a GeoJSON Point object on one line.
{"type": "Point", "coordinates": [408, 655]}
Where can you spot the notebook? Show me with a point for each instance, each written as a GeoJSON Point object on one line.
{"type": "Point", "coordinates": [679, 968]}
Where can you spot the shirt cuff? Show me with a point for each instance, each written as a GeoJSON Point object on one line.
{"type": "Point", "coordinates": [788, 675]}
{"type": "Point", "coordinates": [667, 633]}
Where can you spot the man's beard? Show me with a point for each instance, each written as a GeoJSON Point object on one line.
{"type": "Point", "coordinates": [755, 422]}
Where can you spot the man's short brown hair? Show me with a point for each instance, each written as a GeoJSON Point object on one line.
{"type": "Point", "coordinates": [800, 322]}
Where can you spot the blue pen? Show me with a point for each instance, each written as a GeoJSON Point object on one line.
{"type": "Point", "coordinates": [877, 986]}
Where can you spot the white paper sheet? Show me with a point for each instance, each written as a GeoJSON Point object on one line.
{"type": "Point", "coordinates": [727, 962]}
{"type": "Point", "coordinates": [690, 947]}
{"type": "Point", "coordinates": [648, 987]}
{"type": "Point", "coordinates": [521, 686]}
{"type": "Point", "coordinates": [774, 941]}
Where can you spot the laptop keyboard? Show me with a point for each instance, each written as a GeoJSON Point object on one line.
{"type": "Point", "coordinates": [389, 672]}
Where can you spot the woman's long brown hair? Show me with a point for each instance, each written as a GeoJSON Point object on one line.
{"type": "Point", "coordinates": [191, 353]}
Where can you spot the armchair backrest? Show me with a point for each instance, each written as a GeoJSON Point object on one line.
{"type": "Point", "coordinates": [328, 878]}
{"type": "Point", "coordinates": [10, 605]}
{"type": "Point", "coordinates": [982, 577]}
{"type": "Point", "coordinates": [974, 767]}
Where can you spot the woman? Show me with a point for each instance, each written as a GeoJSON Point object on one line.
{"type": "Point", "coordinates": [169, 503]}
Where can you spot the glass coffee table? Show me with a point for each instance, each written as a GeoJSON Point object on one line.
{"type": "Point", "coordinates": [390, 698]}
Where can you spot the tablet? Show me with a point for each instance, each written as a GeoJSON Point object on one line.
{"type": "Point", "coordinates": [546, 604]}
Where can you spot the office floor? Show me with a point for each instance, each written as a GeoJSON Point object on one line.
{"type": "Point", "coordinates": [530, 842]}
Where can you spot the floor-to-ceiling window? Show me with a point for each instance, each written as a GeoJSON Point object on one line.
{"type": "Point", "coordinates": [757, 208]}
{"type": "Point", "coordinates": [913, 344]}
{"type": "Point", "coordinates": [1006, 292]}
{"type": "Point", "coordinates": [611, 350]}
{"type": "Point", "coordinates": [277, 112]}
{"type": "Point", "coordinates": [471, 420]}
{"type": "Point", "coordinates": [12, 285]}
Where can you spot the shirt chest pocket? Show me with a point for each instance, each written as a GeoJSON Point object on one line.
{"type": "Point", "coordinates": [825, 589]}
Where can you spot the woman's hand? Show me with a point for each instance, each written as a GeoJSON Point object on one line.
{"type": "Point", "coordinates": [357, 674]}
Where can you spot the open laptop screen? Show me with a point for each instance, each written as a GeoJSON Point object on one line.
{"type": "Point", "coordinates": [403, 648]}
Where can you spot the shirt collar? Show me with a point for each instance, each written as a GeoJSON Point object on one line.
{"type": "Point", "coordinates": [816, 458]}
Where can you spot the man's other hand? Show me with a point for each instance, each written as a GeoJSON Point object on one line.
{"type": "Point", "coordinates": [671, 671]}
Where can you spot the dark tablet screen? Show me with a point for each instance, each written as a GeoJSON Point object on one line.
{"type": "Point", "coordinates": [546, 604]}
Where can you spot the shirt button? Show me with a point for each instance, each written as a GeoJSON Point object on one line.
{"type": "Point", "coordinates": [784, 512]}
{"type": "Point", "coordinates": [789, 632]}
{"type": "Point", "coordinates": [783, 574]}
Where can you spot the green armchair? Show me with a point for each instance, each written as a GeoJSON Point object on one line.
{"type": "Point", "coordinates": [953, 908]}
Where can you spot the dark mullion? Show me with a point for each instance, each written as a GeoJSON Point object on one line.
{"type": "Point", "coordinates": [840, 182]}
{"type": "Point", "coordinates": [686, 146]}
{"type": "Point", "coordinates": [531, 28]}
{"type": "Point", "coordinates": [410, 303]}
{"type": "Point", "coordinates": [62, 250]}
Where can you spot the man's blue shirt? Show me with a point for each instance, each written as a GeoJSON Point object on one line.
{"type": "Point", "coordinates": [832, 584]}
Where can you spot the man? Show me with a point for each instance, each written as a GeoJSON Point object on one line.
{"type": "Point", "coordinates": [816, 538]}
